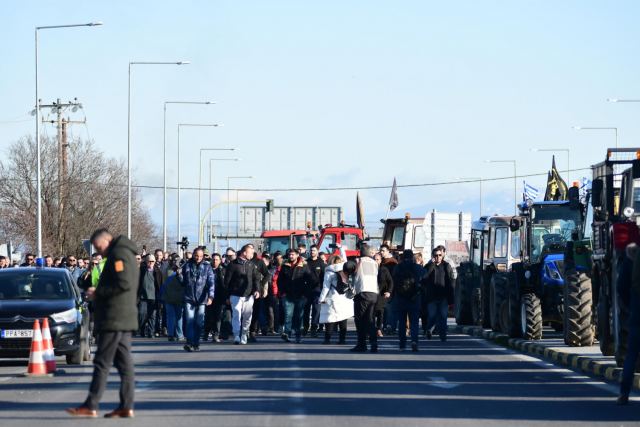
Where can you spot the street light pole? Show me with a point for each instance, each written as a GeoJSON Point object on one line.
{"type": "Point", "coordinates": [200, 234]}
{"type": "Point", "coordinates": [229, 178]}
{"type": "Point", "coordinates": [164, 165]}
{"type": "Point", "coordinates": [515, 184]}
{"type": "Point", "coordinates": [38, 148]}
{"type": "Point", "coordinates": [615, 129]}
{"type": "Point", "coordinates": [129, 132]}
{"type": "Point", "coordinates": [552, 150]}
{"type": "Point", "coordinates": [211, 186]}
{"type": "Point", "coordinates": [180, 125]}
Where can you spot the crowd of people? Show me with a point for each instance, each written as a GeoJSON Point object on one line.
{"type": "Point", "coordinates": [240, 295]}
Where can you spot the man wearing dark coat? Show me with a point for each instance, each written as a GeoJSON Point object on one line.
{"type": "Point", "coordinates": [115, 319]}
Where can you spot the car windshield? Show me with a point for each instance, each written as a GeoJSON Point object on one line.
{"type": "Point", "coordinates": [33, 284]}
{"type": "Point", "coordinates": [552, 224]}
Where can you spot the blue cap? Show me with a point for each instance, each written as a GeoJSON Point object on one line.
{"type": "Point", "coordinates": [39, 262]}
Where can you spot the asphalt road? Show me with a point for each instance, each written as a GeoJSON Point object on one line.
{"type": "Point", "coordinates": [465, 381]}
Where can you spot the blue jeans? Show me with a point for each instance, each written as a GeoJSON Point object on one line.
{"type": "Point", "coordinates": [293, 313]}
{"type": "Point", "coordinates": [174, 320]}
{"type": "Point", "coordinates": [438, 312]}
{"type": "Point", "coordinates": [407, 307]}
{"type": "Point", "coordinates": [194, 314]}
{"type": "Point", "coordinates": [633, 349]}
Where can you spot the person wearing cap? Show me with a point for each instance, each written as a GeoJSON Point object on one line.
{"type": "Point", "coordinates": [149, 282]}
{"type": "Point", "coordinates": [364, 303]}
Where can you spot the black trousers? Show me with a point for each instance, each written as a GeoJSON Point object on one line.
{"type": "Point", "coordinates": [257, 318]}
{"type": "Point", "coordinates": [146, 317]}
{"type": "Point", "coordinates": [364, 305]}
{"type": "Point", "coordinates": [114, 348]}
{"type": "Point", "coordinates": [330, 327]}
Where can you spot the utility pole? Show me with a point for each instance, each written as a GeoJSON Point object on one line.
{"type": "Point", "coordinates": [63, 146]}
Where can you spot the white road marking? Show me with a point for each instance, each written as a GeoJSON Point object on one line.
{"type": "Point", "coordinates": [441, 382]}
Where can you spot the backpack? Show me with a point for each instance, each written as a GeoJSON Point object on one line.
{"type": "Point", "coordinates": [407, 286]}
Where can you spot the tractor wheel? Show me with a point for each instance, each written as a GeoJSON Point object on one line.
{"type": "Point", "coordinates": [498, 290]}
{"type": "Point", "coordinates": [477, 307]}
{"type": "Point", "coordinates": [531, 317]}
{"type": "Point", "coordinates": [463, 298]}
{"type": "Point", "coordinates": [605, 319]}
{"type": "Point", "coordinates": [485, 300]}
{"type": "Point", "coordinates": [514, 329]}
{"type": "Point", "coordinates": [577, 300]}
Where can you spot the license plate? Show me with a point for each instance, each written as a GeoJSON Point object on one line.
{"type": "Point", "coordinates": [17, 333]}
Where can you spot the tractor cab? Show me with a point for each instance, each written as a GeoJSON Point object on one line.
{"type": "Point", "coordinates": [348, 236]}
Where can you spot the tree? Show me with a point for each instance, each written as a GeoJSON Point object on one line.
{"type": "Point", "coordinates": [91, 193]}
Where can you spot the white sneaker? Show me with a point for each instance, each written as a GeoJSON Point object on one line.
{"type": "Point", "coordinates": [236, 340]}
{"type": "Point", "coordinates": [243, 340]}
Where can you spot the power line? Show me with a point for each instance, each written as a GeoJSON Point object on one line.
{"type": "Point", "coordinates": [371, 187]}
{"type": "Point", "coordinates": [293, 189]}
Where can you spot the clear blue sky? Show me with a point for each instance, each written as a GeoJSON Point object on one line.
{"type": "Point", "coordinates": [336, 93]}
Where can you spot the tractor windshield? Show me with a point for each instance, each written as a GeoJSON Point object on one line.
{"type": "Point", "coordinates": [552, 226]}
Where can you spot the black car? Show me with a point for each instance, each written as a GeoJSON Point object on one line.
{"type": "Point", "coordinates": [31, 293]}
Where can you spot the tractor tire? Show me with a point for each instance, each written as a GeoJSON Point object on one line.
{"type": "Point", "coordinates": [513, 327]}
{"type": "Point", "coordinates": [578, 300]}
{"type": "Point", "coordinates": [498, 287]}
{"type": "Point", "coordinates": [531, 317]}
{"type": "Point", "coordinates": [477, 307]}
{"type": "Point", "coordinates": [604, 321]}
{"type": "Point", "coordinates": [463, 301]}
{"type": "Point", "coordinates": [485, 300]}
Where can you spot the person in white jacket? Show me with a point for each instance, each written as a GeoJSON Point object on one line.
{"type": "Point", "coordinates": [335, 308]}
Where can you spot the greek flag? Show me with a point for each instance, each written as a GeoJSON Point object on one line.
{"type": "Point", "coordinates": [586, 183]}
{"type": "Point", "coordinates": [530, 192]}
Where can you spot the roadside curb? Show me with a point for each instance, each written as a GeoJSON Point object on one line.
{"type": "Point", "coordinates": [602, 367]}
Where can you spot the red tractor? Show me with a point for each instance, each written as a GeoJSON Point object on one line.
{"type": "Point", "coordinates": [281, 240]}
{"type": "Point", "coordinates": [348, 236]}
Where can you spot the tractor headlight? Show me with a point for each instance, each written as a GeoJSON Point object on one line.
{"type": "Point", "coordinates": [553, 272]}
{"type": "Point", "coordinates": [69, 316]}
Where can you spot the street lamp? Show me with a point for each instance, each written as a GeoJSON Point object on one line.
{"type": "Point", "coordinates": [38, 160]}
{"type": "Point", "coordinates": [229, 178]}
{"type": "Point", "coordinates": [557, 150]}
{"type": "Point", "coordinates": [600, 128]}
{"type": "Point", "coordinates": [200, 237]}
{"type": "Point", "coordinates": [515, 184]}
{"type": "Point", "coordinates": [180, 125]}
{"type": "Point", "coordinates": [479, 179]}
{"type": "Point", "coordinates": [211, 186]}
{"type": "Point", "coordinates": [129, 132]}
{"type": "Point", "coordinates": [164, 164]}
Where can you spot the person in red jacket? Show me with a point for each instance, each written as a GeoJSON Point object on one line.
{"type": "Point", "coordinates": [273, 297]}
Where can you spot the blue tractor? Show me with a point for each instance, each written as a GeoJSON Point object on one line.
{"type": "Point", "coordinates": [534, 289]}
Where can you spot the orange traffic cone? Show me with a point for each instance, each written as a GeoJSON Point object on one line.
{"type": "Point", "coordinates": [36, 359]}
{"type": "Point", "coordinates": [49, 355]}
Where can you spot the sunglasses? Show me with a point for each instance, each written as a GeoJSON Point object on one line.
{"type": "Point", "coordinates": [438, 255]}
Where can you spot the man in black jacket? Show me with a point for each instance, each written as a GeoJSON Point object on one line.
{"type": "Point", "coordinates": [115, 317]}
{"type": "Point", "coordinates": [316, 267]}
{"type": "Point", "coordinates": [260, 305]}
{"type": "Point", "coordinates": [438, 284]}
{"type": "Point", "coordinates": [294, 283]}
{"type": "Point", "coordinates": [407, 277]}
{"type": "Point", "coordinates": [241, 281]}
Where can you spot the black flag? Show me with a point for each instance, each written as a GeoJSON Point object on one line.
{"type": "Point", "coordinates": [556, 187]}
{"type": "Point", "coordinates": [359, 211]}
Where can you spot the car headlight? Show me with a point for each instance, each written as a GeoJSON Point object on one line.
{"type": "Point", "coordinates": [69, 316]}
